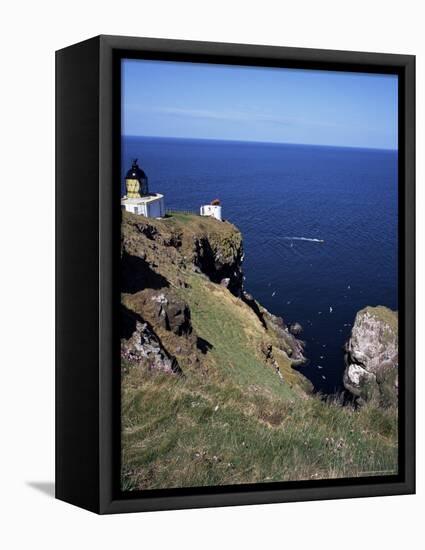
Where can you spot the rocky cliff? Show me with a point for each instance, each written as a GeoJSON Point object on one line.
{"type": "Point", "coordinates": [209, 392]}
{"type": "Point", "coordinates": [186, 270]}
{"type": "Point", "coordinates": [372, 356]}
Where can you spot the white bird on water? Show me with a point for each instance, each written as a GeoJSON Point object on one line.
{"type": "Point", "coordinates": [330, 309]}
{"type": "Point", "coordinates": [274, 292]}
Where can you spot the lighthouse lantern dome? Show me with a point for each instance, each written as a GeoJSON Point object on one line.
{"type": "Point", "coordinates": [136, 182]}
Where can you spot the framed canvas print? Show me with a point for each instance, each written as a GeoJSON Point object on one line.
{"type": "Point", "coordinates": [235, 274]}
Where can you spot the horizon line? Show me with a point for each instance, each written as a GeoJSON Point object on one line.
{"type": "Point", "coordinates": [389, 149]}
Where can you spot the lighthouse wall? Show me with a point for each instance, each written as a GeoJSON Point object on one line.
{"type": "Point", "coordinates": [156, 208]}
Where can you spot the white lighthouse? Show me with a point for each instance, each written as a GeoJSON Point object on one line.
{"type": "Point", "coordinates": [138, 200]}
{"type": "Point", "coordinates": [213, 209]}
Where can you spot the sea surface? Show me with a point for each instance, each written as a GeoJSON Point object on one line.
{"type": "Point", "coordinates": [319, 226]}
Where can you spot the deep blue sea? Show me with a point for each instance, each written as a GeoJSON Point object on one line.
{"type": "Point", "coordinates": [281, 196]}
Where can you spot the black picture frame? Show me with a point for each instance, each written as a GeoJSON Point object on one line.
{"type": "Point", "coordinates": [87, 274]}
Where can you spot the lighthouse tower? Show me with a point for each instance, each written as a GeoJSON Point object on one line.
{"type": "Point", "coordinates": [138, 200]}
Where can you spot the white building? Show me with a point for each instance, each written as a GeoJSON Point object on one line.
{"type": "Point", "coordinates": [213, 210]}
{"type": "Point", "coordinates": [151, 206]}
{"type": "Point", "coordinates": [138, 199]}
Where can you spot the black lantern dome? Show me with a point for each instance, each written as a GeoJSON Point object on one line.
{"type": "Point", "coordinates": [136, 181]}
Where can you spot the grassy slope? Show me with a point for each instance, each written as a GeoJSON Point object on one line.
{"type": "Point", "coordinates": [232, 420]}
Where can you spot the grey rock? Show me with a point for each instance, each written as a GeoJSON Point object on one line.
{"type": "Point", "coordinates": [144, 347]}
{"type": "Point", "coordinates": [371, 355]}
{"type": "Point", "coordinates": [295, 328]}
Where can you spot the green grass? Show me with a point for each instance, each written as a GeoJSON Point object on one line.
{"type": "Point", "coordinates": [235, 334]}
{"type": "Point", "coordinates": [233, 420]}
{"type": "Point", "coordinates": [181, 217]}
{"type": "Point", "coordinates": [183, 433]}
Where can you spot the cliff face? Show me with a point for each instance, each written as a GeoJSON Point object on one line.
{"type": "Point", "coordinates": [169, 246]}
{"type": "Point", "coordinates": [372, 356]}
{"type": "Point", "coordinates": [220, 256]}
{"type": "Point", "coordinates": [179, 276]}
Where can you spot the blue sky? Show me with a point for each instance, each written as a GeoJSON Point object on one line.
{"type": "Point", "coordinates": [193, 100]}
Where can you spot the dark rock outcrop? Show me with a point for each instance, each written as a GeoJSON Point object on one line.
{"type": "Point", "coordinates": [170, 318]}
{"type": "Point", "coordinates": [221, 260]}
{"type": "Point", "coordinates": [169, 312]}
{"type": "Point", "coordinates": [137, 274]}
{"type": "Point", "coordinates": [288, 343]}
{"type": "Point", "coordinates": [371, 356]}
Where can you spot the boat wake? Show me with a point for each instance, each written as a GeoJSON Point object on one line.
{"type": "Point", "coordinates": [304, 239]}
